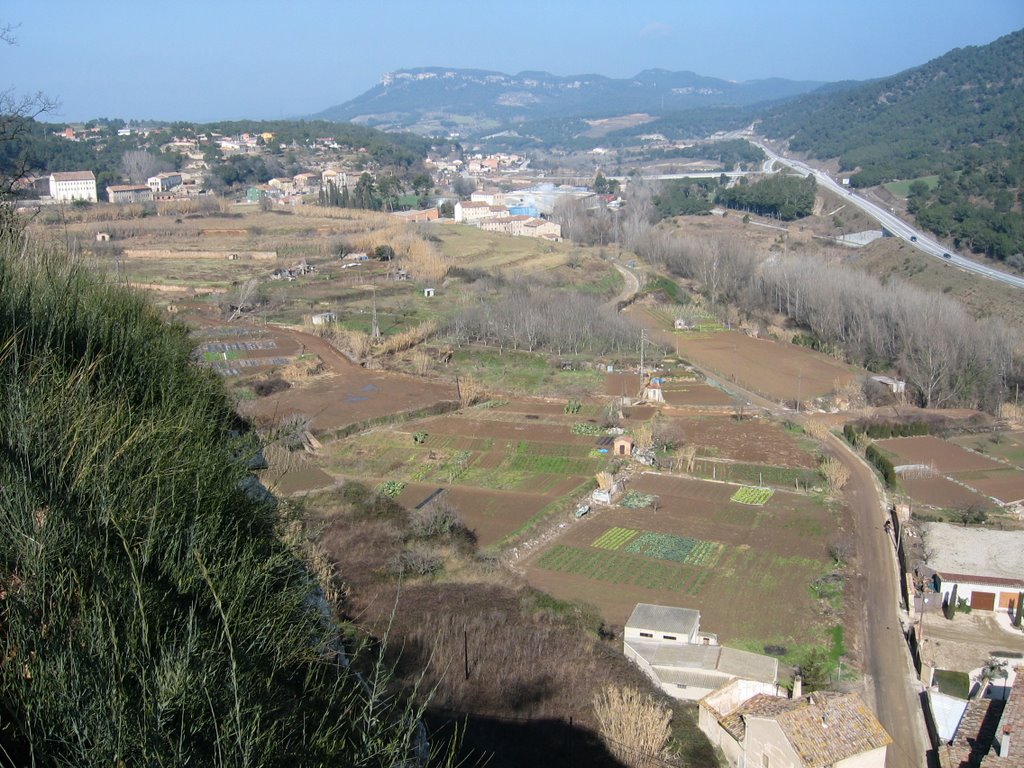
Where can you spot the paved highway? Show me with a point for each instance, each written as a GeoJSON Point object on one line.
{"type": "Point", "coordinates": [894, 224]}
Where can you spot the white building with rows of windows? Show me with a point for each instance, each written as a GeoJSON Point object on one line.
{"type": "Point", "coordinates": [68, 186]}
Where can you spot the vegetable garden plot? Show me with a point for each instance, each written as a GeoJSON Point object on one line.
{"type": "Point", "coordinates": [661, 546]}
{"type": "Point", "coordinates": [679, 549]}
{"type": "Point", "coordinates": [753, 496]}
{"type": "Point", "coordinates": [616, 568]}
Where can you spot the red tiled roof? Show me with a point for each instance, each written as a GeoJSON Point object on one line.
{"type": "Point", "coordinates": [995, 581]}
{"type": "Point", "coordinates": [823, 728]}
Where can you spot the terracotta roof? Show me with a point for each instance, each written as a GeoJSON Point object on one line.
{"type": "Point", "coordinates": [975, 733]}
{"type": "Point", "coordinates": [761, 705]}
{"type": "Point", "coordinates": [74, 176]}
{"type": "Point", "coordinates": [825, 728]}
{"type": "Point", "coordinates": [1011, 725]}
{"type": "Point", "coordinates": [822, 728]}
{"type": "Point", "coordinates": [128, 188]}
{"type": "Point", "coordinates": [995, 581]}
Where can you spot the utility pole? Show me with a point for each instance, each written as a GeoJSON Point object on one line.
{"type": "Point", "coordinates": [643, 339]}
{"type": "Point", "coordinates": [375, 329]}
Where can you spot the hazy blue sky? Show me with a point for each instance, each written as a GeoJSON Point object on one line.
{"type": "Point", "coordinates": [220, 59]}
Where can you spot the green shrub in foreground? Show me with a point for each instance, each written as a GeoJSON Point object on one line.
{"type": "Point", "coordinates": [150, 614]}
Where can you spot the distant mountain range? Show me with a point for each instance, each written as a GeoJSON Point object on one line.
{"type": "Point", "coordinates": [439, 100]}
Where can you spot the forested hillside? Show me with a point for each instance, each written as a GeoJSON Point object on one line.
{"type": "Point", "coordinates": [960, 115]}
{"type": "Point", "coordinates": [150, 611]}
{"type": "Point", "coordinates": [37, 149]}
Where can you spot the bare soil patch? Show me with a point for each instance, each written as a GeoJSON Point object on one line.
{"type": "Point", "coordinates": [930, 450]}
{"type": "Point", "coordinates": [491, 515]}
{"type": "Point", "coordinates": [1005, 485]}
{"type": "Point", "coordinates": [336, 400]}
{"type": "Point", "coordinates": [773, 369]}
{"type": "Point", "coordinates": [754, 440]}
{"type": "Point", "coordinates": [695, 393]}
{"type": "Point", "coordinates": [300, 481]}
{"type": "Point", "coordinates": [939, 491]}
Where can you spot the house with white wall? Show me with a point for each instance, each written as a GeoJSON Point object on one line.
{"type": "Point", "coordinates": [469, 212]}
{"type": "Point", "coordinates": [163, 182]}
{"type": "Point", "coordinates": [490, 198]}
{"type": "Point", "coordinates": [986, 567]}
{"type": "Point", "coordinates": [68, 186]}
{"type": "Point", "coordinates": [666, 643]}
{"type": "Point", "coordinates": [129, 193]}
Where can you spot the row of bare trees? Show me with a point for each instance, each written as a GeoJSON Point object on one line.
{"type": "Point", "coordinates": [949, 357]}
{"type": "Point", "coordinates": [532, 318]}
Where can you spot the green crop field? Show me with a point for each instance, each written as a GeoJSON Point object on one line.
{"type": "Point", "coordinates": [614, 538]}
{"type": "Point", "coordinates": [756, 497]}
{"type": "Point", "coordinates": [757, 474]}
{"type": "Point", "coordinates": [555, 465]}
{"type": "Point", "coordinates": [902, 188]}
{"type": "Point", "coordinates": [679, 549]}
{"type": "Point", "coordinates": [661, 546]}
{"type": "Point", "coordinates": [610, 566]}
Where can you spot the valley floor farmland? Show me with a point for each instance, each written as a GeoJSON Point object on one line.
{"type": "Point", "coordinates": [700, 549]}
{"type": "Point", "coordinates": [953, 476]}
{"type": "Point", "coordinates": [776, 370]}
{"type": "Point", "coordinates": [500, 464]}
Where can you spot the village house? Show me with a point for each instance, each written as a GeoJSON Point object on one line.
{"type": "Point", "coordinates": [306, 182]}
{"type": "Point", "coordinates": [668, 646]}
{"type": "Point", "coordinates": [333, 176]}
{"type": "Point", "coordinates": [985, 567]}
{"type": "Point", "coordinates": [129, 193]}
{"type": "Point", "coordinates": [285, 185]}
{"type": "Point", "coordinates": [425, 214]}
{"type": "Point", "coordinates": [491, 198]}
{"type": "Point", "coordinates": [548, 230]}
{"type": "Point", "coordinates": [507, 225]}
{"type": "Point", "coordinates": [68, 186]}
{"type": "Point", "coordinates": [521, 226]}
{"type": "Point", "coordinates": [819, 730]}
{"type": "Point", "coordinates": [989, 733]}
{"type": "Point", "coordinates": [472, 213]}
{"type": "Point", "coordinates": [163, 182]}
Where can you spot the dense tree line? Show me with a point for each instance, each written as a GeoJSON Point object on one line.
{"type": "Point", "coordinates": [684, 197]}
{"type": "Point", "coordinates": [373, 195]}
{"type": "Point", "coordinates": [150, 611]}
{"type": "Point", "coordinates": [534, 319]}
{"type": "Point", "coordinates": [784, 197]}
{"type": "Point", "coordinates": [948, 357]}
{"type": "Point", "coordinates": [951, 211]}
{"type": "Point", "coordinates": [37, 150]}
